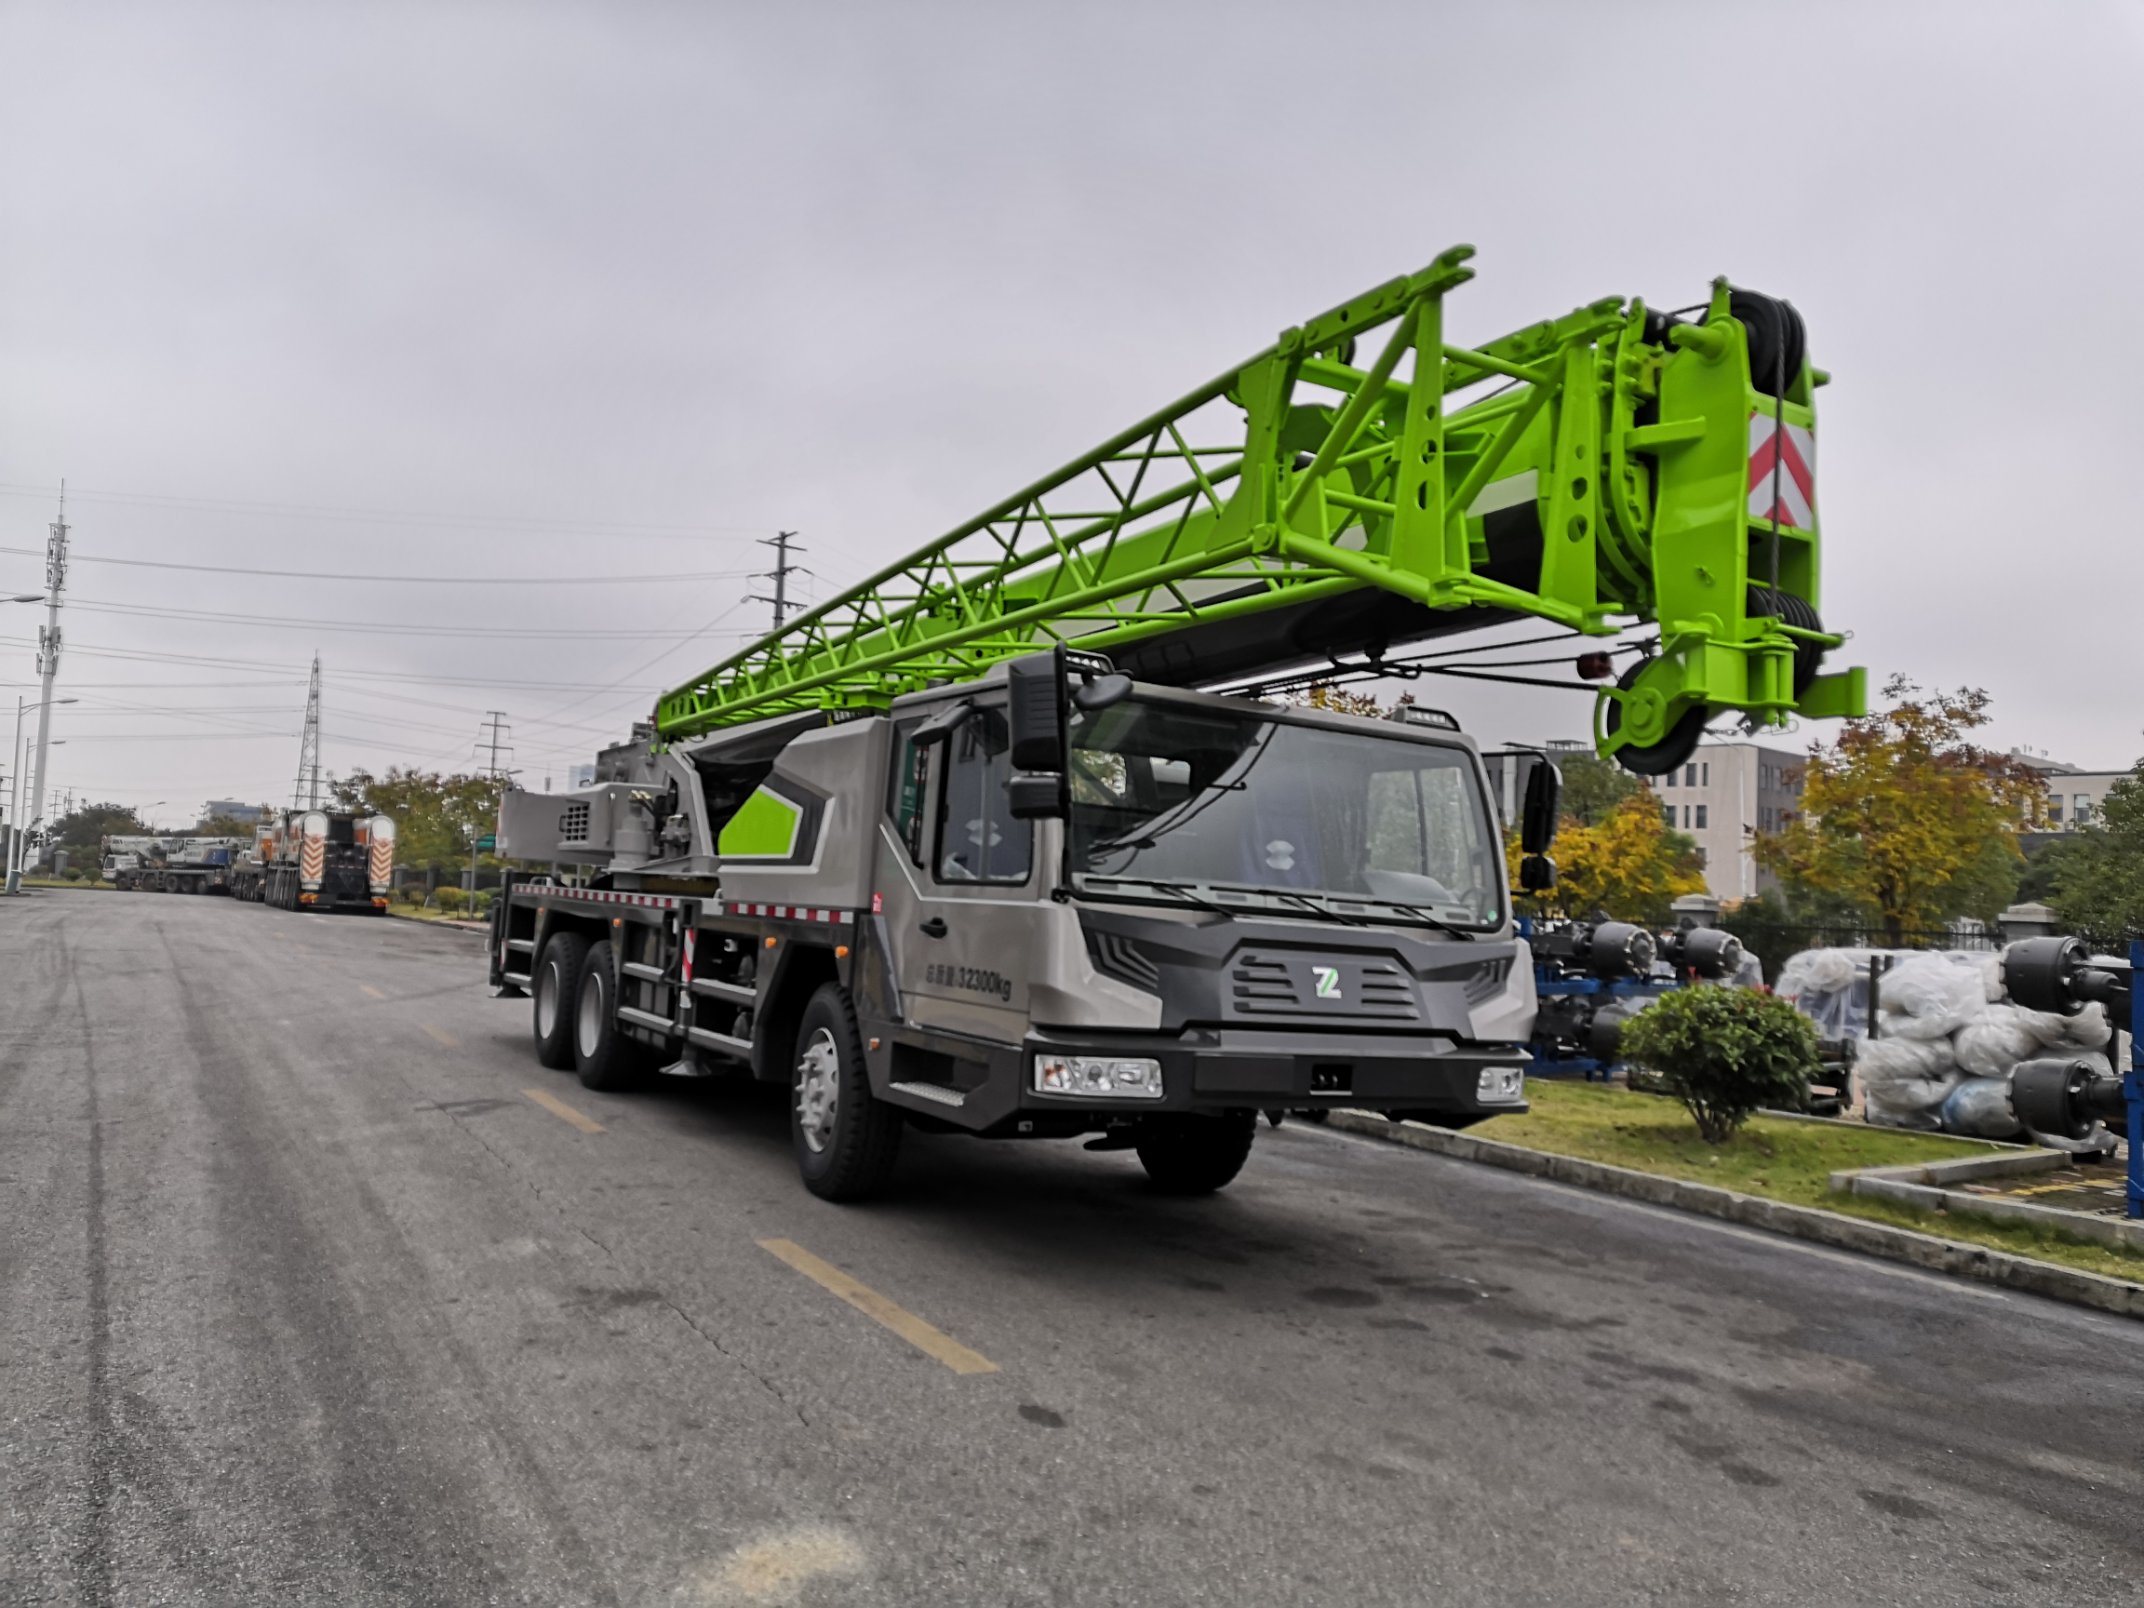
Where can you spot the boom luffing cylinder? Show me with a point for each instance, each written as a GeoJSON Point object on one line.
{"type": "Point", "coordinates": [1611, 467]}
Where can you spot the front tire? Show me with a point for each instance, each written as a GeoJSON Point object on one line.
{"type": "Point", "coordinates": [558, 978]}
{"type": "Point", "coordinates": [1185, 1154]}
{"type": "Point", "coordinates": [603, 1055]}
{"type": "Point", "coordinates": [846, 1140]}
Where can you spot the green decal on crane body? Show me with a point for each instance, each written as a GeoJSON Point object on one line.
{"type": "Point", "coordinates": [1607, 468]}
{"type": "Point", "coordinates": [765, 827]}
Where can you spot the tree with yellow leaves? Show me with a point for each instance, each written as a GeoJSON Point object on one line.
{"type": "Point", "coordinates": [1903, 814]}
{"type": "Point", "coordinates": [1627, 864]}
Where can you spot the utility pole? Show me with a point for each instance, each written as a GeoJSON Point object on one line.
{"type": "Point", "coordinates": [779, 575]}
{"type": "Point", "coordinates": [305, 794]}
{"type": "Point", "coordinates": [493, 731]}
{"type": "Point", "coordinates": [490, 735]}
{"type": "Point", "coordinates": [48, 641]}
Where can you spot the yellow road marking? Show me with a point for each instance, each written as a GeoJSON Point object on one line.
{"type": "Point", "coordinates": [369, 989]}
{"type": "Point", "coordinates": [445, 1039]}
{"type": "Point", "coordinates": [565, 1113]}
{"type": "Point", "coordinates": [777, 1568]}
{"type": "Point", "coordinates": [931, 1342]}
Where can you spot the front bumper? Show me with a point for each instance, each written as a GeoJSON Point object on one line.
{"type": "Point", "coordinates": [1225, 1069]}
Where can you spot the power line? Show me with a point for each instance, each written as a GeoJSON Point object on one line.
{"type": "Point", "coordinates": [285, 622]}
{"type": "Point", "coordinates": [221, 662]}
{"type": "Point", "coordinates": [388, 516]}
{"type": "Point", "coordinates": [420, 580]}
{"type": "Point", "coordinates": [631, 675]}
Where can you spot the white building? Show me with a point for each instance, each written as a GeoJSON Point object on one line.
{"type": "Point", "coordinates": [2075, 797]}
{"type": "Point", "coordinates": [1724, 796]}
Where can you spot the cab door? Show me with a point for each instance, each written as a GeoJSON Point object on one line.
{"type": "Point", "coordinates": [957, 882]}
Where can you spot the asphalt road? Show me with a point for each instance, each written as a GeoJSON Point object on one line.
{"type": "Point", "coordinates": [304, 1298]}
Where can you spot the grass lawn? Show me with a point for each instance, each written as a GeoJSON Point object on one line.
{"type": "Point", "coordinates": [1778, 1159]}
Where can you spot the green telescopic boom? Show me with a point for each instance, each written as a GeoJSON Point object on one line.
{"type": "Point", "coordinates": [1609, 468]}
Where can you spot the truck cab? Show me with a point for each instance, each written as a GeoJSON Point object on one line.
{"type": "Point", "coordinates": [1227, 904]}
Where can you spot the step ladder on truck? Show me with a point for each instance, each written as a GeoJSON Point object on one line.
{"type": "Point", "coordinates": [978, 847]}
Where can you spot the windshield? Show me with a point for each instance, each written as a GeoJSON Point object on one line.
{"type": "Point", "coordinates": [1216, 798]}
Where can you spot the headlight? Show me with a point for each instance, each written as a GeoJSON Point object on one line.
{"type": "Point", "coordinates": [1101, 1077]}
{"type": "Point", "coordinates": [1500, 1085]}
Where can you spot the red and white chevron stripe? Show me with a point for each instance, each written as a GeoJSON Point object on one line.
{"type": "Point", "coordinates": [1785, 453]}
{"type": "Point", "coordinates": [790, 912]}
{"type": "Point", "coordinates": [661, 901]}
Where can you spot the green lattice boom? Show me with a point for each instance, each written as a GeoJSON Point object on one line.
{"type": "Point", "coordinates": [1296, 484]}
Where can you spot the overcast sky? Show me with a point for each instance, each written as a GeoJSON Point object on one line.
{"type": "Point", "coordinates": [458, 290]}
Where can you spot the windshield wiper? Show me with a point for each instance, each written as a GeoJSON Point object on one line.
{"type": "Point", "coordinates": [1171, 889]}
{"type": "Point", "coordinates": [1303, 901]}
{"type": "Point", "coordinates": [1428, 917]}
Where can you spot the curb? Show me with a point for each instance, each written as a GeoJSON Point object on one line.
{"type": "Point", "coordinates": [1906, 1245]}
{"type": "Point", "coordinates": [457, 926]}
{"type": "Point", "coordinates": [1927, 1187]}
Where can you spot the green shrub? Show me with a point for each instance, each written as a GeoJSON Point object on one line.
{"type": "Point", "coordinates": [1724, 1053]}
{"type": "Point", "coordinates": [73, 873]}
{"type": "Point", "coordinates": [450, 900]}
{"type": "Point", "coordinates": [484, 896]}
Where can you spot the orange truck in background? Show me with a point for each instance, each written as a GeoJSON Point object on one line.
{"type": "Point", "coordinates": [320, 860]}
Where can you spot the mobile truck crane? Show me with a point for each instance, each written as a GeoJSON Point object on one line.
{"type": "Point", "coordinates": [975, 847]}
{"type": "Point", "coordinates": [319, 860]}
{"type": "Point", "coordinates": [123, 857]}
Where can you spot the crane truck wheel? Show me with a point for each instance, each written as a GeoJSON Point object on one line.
{"type": "Point", "coordinates": [845, 1139]}
{"type": "Point", "coordinates": [558, 976]}
{"type": "Point", "coordinates": [605, 1057]}
{"type": "Point", "coordinates": [1185, 1154]}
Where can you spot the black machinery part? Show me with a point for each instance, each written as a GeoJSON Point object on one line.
{"type": "Point", "coordinates": [1778, 339]}
{"type": "Point", "coordinates": [2066, 1098]}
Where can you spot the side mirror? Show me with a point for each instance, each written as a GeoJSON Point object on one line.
{"type": "Point", "coordinates": [1537, 874]}
{"type": "Point", "coordinates": [1102, 691]}
{"type": "Point", "coordinates": [942, 725]}
{"type": "Point", "coordinates": [1537, 815]}
{"type": "Point", "coordinates": [1037, 711]}
{"type": "Point", "coordinates": [1039, 797]}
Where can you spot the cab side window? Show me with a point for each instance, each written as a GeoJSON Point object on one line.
{"type": "Point", "coordinates": [905, 790]}
{"type": "Point", "coordinates": [978, 839]}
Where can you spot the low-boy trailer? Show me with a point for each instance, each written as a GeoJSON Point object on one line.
{"type": "Point", "coordinates": [924, 855]}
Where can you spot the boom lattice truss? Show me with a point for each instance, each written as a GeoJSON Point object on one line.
{"type": "Point", "coordinates": [1606, 468]}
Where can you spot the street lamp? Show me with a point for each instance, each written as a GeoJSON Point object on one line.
{"type": "Point", "coordinates": [14, 843]}
{"type": "Point", "coordinates": [27, 597]}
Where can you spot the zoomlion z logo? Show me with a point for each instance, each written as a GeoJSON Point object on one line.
{"type": "Point", "coordinates": [1328, 981]}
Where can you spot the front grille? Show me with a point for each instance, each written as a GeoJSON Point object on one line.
{"type": "Point", "coordinates": [1387, 992]}
{"type": "Point", "coordinates": [1264, 987]}
{"type": "Point", "coordinates": [1273, 985]}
